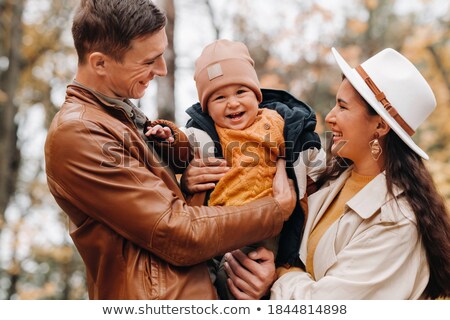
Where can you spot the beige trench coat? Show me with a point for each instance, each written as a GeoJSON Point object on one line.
{"type": "Point", "coordinates": [373, 251]}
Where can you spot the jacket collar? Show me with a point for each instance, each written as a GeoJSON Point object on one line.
{"type": "Point", "coordinates": [123, 104]}
{"type": "Point", "coordinates": [376, 192]}
{"type": "Point", "coordinates": [367, 201]}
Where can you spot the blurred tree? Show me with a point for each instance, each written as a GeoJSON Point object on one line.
{"type": "Point", "coordinates": [39, 62]}
{"type": "Point", "coordinates": [10, 60]}
{"type": "Point", "coordinates": [49, 58]}
{"type": "Point", "coordinates": [372, 25]}
{"type": "Point", "coordinates": [166, 85]}
{"type": "Point", "coordinates": [213, 17]}
{"type": "Point", "coordinates": [428, 45]}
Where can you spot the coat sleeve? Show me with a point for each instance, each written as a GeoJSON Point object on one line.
{"type": "Point", "coordinates": [177, 154]}
{"type": "Point", "coordinates": [381, 263]}
{"type": "Point", "coordinates": [200, 142]}
{"type": "Point", "coordinates": [89, 168]}
{"type": "Point", "coordinates": [310, 163]}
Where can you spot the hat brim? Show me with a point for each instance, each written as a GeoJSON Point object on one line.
{"type": "Point", "coordinates": [358, 83]}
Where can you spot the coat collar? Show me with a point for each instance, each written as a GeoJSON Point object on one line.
{"type": "Point", "coordinates": [124, 104]}
{"type": "Point", "coordinates": [372, 197]}
{"type": "Point", "coordinates": [367, 201]}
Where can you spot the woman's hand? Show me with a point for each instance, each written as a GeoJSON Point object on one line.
{"type": "Point", "coordinates": [250, 277]}
{"type": "Point", "coordinates": [202, 174]}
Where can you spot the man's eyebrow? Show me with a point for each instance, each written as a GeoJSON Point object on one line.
{"type": "Point", "coordinates": [154, 58]}
{"type": "Point", "coordinates": [342, 101]}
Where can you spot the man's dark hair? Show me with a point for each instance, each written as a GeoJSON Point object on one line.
{"type": "Point", "coordinates": [109, 26]}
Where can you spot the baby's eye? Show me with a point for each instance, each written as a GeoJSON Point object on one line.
{"type": "Point", "coordinates": [241, 91]}
{"type": "Point", "coordinates": [219, 98]}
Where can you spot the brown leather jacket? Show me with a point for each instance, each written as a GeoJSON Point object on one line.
{"type": "Point", "coordinates": [128, 218]}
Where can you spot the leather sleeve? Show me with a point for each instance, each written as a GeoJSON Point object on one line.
{"type": "Point", "coordinates": [89, 168]}
{"type": "Point", "coordinates": [178, 153]}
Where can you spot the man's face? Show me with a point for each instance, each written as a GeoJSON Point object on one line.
{"type": "Point", "coordinates": [141, 63]}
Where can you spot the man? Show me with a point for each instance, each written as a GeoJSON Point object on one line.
{"type": "Point", "coordinates": [128, 218]}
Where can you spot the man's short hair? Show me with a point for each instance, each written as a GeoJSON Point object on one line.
{"type": "Point", "coordinates": [109, 26]}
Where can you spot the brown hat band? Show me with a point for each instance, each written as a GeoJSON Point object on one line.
{"type": "Point", "coordinates": [381, 97]}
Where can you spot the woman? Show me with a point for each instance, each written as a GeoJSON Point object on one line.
{"type": "Point", "coordinates": [377, 227]}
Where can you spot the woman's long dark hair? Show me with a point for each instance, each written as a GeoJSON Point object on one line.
{"type": "Point", "coordinates": [405, 169]}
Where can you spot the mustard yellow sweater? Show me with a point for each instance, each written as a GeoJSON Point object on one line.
{"type": "Point", "coordinates": [352, 186]}
{"type": "Point", "coordinates": [252, 154]}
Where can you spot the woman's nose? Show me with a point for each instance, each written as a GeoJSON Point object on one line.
{"type": "Point", "coordinates": [330, 117]}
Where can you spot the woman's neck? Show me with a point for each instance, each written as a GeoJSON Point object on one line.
{"type": "Point", "coordinates": [369, 167]}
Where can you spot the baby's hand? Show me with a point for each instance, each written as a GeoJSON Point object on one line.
{"type": "Point", "coordinates": [160, 132]}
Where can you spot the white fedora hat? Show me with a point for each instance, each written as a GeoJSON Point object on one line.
{"type": "Point", "coordinates": [395, 89]}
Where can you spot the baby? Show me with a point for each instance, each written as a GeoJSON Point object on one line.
{"type": "Point", "coordinates": [251, 128]}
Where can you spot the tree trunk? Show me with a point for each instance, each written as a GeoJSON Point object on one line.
{"type": "Point", "coordinates": [440, 65]}
{"type": "Point", "coordinates": [10, 40]}
{"type": "Point", "coordinates": [166, 85]}
{"type": "Point", "coordinates": [214, 24]}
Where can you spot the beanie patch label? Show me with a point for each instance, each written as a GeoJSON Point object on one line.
{"type": "Point", "coordinates": [214, 71]}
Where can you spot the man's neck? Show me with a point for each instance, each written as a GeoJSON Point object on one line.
{"type": "Point", "coordinates": [93, 82]}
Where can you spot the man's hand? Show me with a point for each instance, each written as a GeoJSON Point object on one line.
{"type": "Point", "coordinates": [202, 174]}
{"type": "Point", "coordinates": [250, 277]}
{"type": "Point", "coordinates": [283, 190]}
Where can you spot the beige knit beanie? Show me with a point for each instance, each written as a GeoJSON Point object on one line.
{"type": "Point", "coordinates": [222, 63]}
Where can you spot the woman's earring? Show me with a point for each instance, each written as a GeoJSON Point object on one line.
{"type": "Point", "coordinates": [375, 147]}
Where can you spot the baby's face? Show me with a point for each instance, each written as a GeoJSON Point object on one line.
{"type": "Point", "coordinates": [233, 107]}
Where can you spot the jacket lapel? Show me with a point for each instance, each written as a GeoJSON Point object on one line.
{"type": "Point", "coordinates": [365, 204]}
{"type": "Point", "coordinates": [318, 203]}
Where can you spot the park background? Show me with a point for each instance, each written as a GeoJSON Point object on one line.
{"type": "Point", "coordinates": [290, 41]}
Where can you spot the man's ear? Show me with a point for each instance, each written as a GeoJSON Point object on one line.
{"type": "Point", "coordinates": [97, 62]}
{"type": "Point", "coordinates": [382, 127]}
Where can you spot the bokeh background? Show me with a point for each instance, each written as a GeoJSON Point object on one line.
{"type": "Point", "coordinates": [290, 41]}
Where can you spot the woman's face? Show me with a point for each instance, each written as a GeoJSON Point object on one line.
{"type": "Point", "coordinates": [352, 126]}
